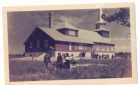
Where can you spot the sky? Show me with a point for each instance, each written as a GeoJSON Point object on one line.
{"type": "Point", "coordinates": [21, 24]}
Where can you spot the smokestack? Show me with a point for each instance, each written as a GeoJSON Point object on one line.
{"type": "Point", "coordinates": [51, 19]}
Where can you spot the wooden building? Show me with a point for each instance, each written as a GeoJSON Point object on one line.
{"type": "Point", "coordinates": [66, 38]}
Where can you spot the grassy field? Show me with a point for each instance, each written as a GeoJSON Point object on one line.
{"type": "Point", "coordinates": [35, 70]}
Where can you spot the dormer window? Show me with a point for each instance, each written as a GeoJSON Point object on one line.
{"type": "Point", "coordinates": [71, 32]}
{"type": "Point", "coordinates": [68, 31]}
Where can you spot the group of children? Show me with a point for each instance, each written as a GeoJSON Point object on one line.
{"type": "Point", "coordinates": [63, 61]}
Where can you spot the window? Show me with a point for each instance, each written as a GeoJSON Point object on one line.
{"type": "Point", "coordinates": [75, 45]}
{"type": "Point", "coordinates": [69, 46]}
{"type": "Point", "coordinates": [71, 32]}
{"type": "Point", "coordinates": [81, 46]}
{"type": "Point", "coordinates": [112, 48]}
{"type": "Point", "coordinates": [107, 48]}
{"type": "Point", "coordinates": [103, 47]}
{"type": "Point", "coordinates": [45, 43]}
{"type": "Point", "coordinates": [37, 43]}
{"type": "Point", "coordinates": [31, 44]}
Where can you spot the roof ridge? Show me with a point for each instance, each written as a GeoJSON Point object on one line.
{"type": "Point", "coordinates": [86, 30]}
{"type": "Point", "coordinates": [65, 24]}
{"type": "Point", "coordinates": [42, 26]}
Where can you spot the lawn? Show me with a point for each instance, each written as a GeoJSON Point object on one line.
{"type": "Point", "coordinates": [35, 70]}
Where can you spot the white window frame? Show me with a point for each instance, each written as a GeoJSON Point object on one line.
{"type": "Point", "coordinates": [80, 46]}
{"type": "Point", "coordinates": [37, 43]}
{"type": "Point", "coordinates": [45, 43]}
{"type": "Point", "coordinates": [31, 44]}
{"type": "Point", "coordinates": [70, 48]}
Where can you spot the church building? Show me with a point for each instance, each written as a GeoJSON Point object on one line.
{"type": "Point", "coordinates": [66, 38]}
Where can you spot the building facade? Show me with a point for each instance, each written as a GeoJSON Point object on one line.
{"type": "Point", "coordinates": [66, 38]}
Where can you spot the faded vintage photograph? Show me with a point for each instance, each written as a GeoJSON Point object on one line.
{"type": "Point", "coordinates": [69, 44]}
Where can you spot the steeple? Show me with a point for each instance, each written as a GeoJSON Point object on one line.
{"type": "Point", "coordinates": [100, 25]}
{"type": "Point", "coordinates": [101, 12]}
{"type": "Point", "coordinates": [100, 20]}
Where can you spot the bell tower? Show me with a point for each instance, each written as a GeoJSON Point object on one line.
{"type": "Point", "coordinates": [100, 25]}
